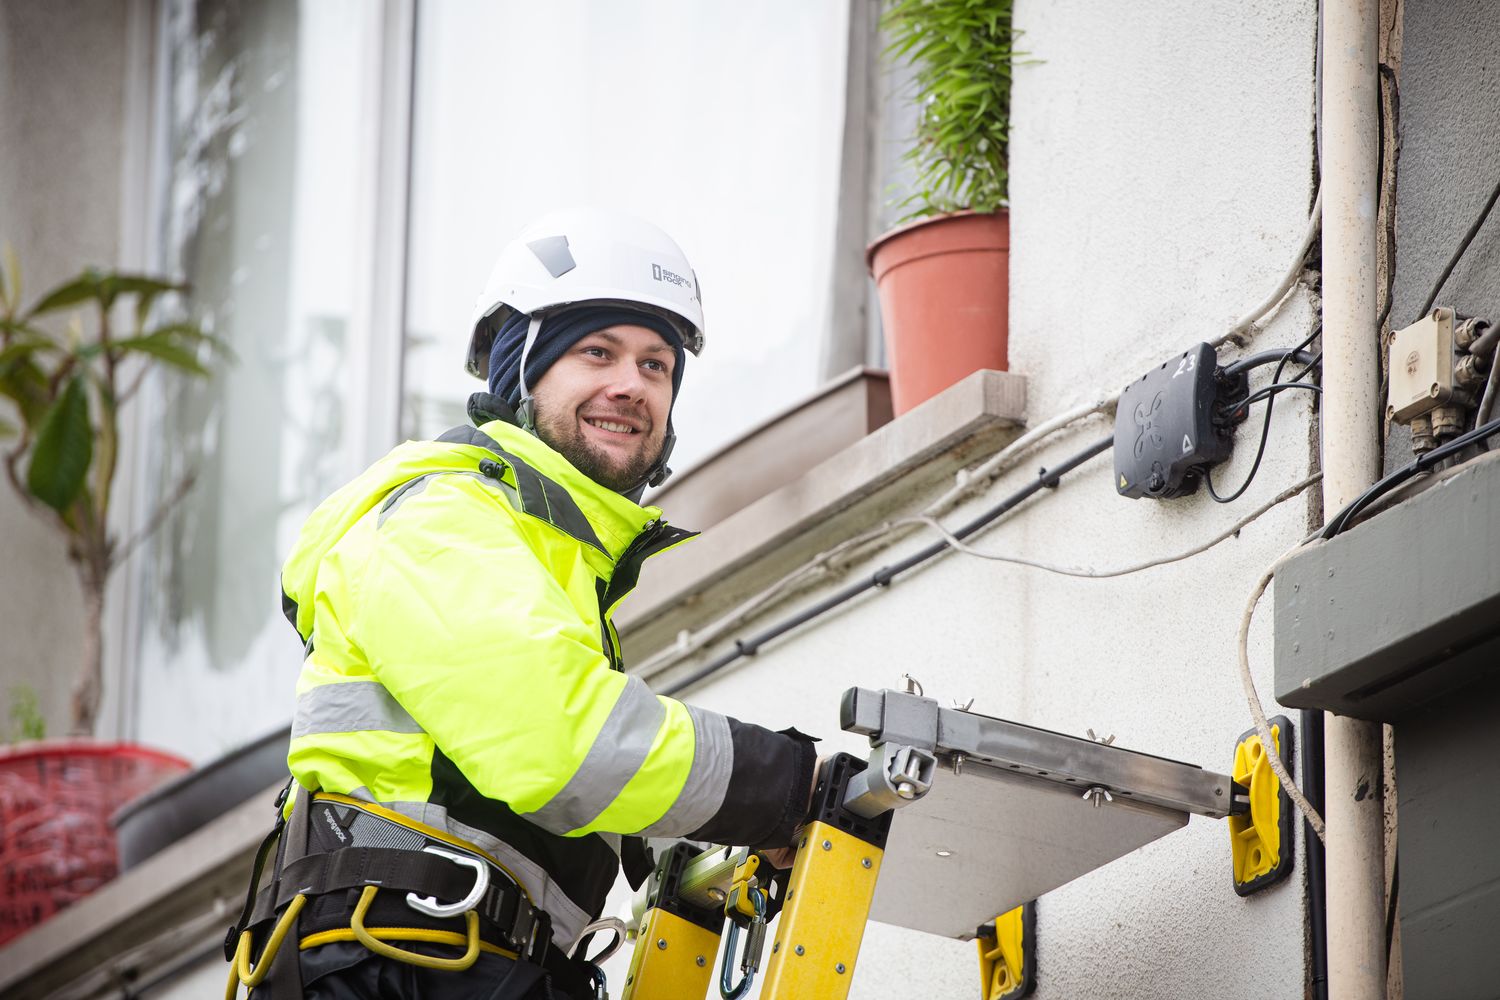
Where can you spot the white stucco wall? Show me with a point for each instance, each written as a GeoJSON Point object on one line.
{"type": "Point", "coordinates": [1161, 178]}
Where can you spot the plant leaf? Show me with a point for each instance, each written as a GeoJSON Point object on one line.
{"type": "Point", "coordinates": [64, 448]}
{"type": "Point", "coordinates": [22, 382]}
{"type": "Point", "coordinates": [81, 289]}
{"type": "Point", "coordinates": [191, 334]}
{"type": "Point", "coordinates": [146, 290]}
{"type": "Point", "coordinates": [24, 346]}
{"type": "Point", "coordinates": [140, 284]}
{"type": "Point", "coordinates": [163, 346]}
{"type": "Point", "coordinates": [112, 285]}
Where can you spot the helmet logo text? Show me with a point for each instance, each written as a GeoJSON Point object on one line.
{"type": "Point", "coordinates": [671, 277]}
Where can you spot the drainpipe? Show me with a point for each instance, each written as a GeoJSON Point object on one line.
{"type": "Point", "coordinates": [1352, 747]}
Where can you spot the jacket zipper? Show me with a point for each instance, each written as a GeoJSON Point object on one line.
{"type": "Point", "coordinates": [654, 537]}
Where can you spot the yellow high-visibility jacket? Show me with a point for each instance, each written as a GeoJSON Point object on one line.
{"type": "Point", "coordinates": [461, 670]}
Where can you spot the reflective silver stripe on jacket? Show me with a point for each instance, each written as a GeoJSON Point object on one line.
{"type": "Point", "coordinates": [568, 918]}
{"type": "Point", "coordinates": [707, 781]}
{"type": "Point", "coordinates": [348, 707]}
{"type": "Point", "coordinates": [614, 758]}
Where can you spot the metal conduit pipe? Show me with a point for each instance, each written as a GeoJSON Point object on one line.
{"type": "Point", "coordinates": [1352, 747]}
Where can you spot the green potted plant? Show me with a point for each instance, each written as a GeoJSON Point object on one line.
{"type": "Point", "coordinates": [943, 274]}
{"type": "Point", "coordinates": [66, 383]}
{"type": "Point", "coordinates": [67, 388]}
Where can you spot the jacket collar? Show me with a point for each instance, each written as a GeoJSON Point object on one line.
{"type": "Point", "coordinates": [615, 518]}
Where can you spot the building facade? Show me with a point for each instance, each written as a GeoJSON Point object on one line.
{"type": "Point", "coordinates": [334, 179]}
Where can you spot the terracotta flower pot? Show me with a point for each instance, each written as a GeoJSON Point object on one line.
{"type": "Point", "coordinates": [944, 288]}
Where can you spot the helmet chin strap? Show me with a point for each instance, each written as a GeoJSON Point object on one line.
{"type": "Point", "coordinates": [658, 473]}
{"type": "Point", "coordinates": [526, 411]}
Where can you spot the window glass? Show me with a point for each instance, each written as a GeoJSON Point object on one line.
{"type": "Point", "coordinates": [266, 113]}
{"type": "Point", "coordinates": [721, 123]}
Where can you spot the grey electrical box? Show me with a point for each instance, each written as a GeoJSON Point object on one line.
{"type": "Point", "coordinates": [1168, 427]}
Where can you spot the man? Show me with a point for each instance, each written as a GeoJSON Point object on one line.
{"type": "Point", "coordinates": [472, 765]}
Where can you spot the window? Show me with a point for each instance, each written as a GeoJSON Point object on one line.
{"type": "Point", "coordinates": [721, 123]}
{"type": "Point", "coordinates": [265, 190]}
{"type": "Point", "coordinates": [286, 160]}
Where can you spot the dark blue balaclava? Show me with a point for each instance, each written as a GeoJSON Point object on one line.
{"type": "Point", "coordinates": [560, 331]}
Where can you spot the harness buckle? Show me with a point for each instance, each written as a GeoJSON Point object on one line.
{"type": "Point", "coordinates": [430, 905]}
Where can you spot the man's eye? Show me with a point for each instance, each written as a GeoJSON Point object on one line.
{"type": "Point", "coordinates": [656, 366]}
{"type": "Point", "coordinates": [597, 352]}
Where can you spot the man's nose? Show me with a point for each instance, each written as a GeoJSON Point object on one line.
{"type": "Point", "coordinates": [626, 382]}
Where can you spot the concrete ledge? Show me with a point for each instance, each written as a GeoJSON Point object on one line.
{"type": "Point", "coordinates": [831, 502]}
{"type": "Point", "coordinates": [778, 451]}
{"type": "Point", "coordinates": [204, 871]}
{"type": "Point", "coordinates": [1399, 610]}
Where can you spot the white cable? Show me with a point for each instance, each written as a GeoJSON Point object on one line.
{"type": "Point", "coordinates": [1246, 323]}
{"type": "Point", "coordinates": [1087, 574]}
{"type": "Point", "coordinates": [691, 642]}
{"type": "Point", "coordinates": [1258, 713]}
{"type": "Point", "coordinates": [1008, 455]}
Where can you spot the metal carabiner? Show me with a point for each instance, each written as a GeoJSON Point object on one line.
{"type": "Point", "coordinates": [754, 942]}
{"type": "Point", "coordinates": [614, 925]}
{"type": "Point", "coordinates": [430, 905]}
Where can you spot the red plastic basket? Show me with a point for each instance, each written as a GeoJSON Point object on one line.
{"type": "Point", "coordinates": [56, 843]}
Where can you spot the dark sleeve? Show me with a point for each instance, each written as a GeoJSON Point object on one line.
{"type": "Point", "coordinates": [769, 785]}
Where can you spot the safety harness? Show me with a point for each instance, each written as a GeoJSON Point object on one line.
{"type": "Point", "coordinates": [348, 870]}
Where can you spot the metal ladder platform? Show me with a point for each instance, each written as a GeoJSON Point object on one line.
{"type": "Point", "coordinates": [1012, 811]}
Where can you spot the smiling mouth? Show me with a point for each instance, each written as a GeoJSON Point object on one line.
{"type": "Point", "coordinates": [614, 427]}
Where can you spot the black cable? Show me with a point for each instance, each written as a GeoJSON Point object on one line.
{"type": "Point", "coordinates": [1265, 429]}
{"type": "Point", "coordinates": [1267, 358]}
{"type": "Point", "coordinates": [1267, 393]}
{"type": "Point", "coordinates": [1275, 388]}
{"type": "Point", "coordinates": [1046, 479]}
{"type": "Point", "coordinates": [1463, 247]}
{"type": "Point", "coordinates": [1390, 908]}
{"type": "Point", "coordinates": [1317, 886]}
{"type": "Point", "coordinates": [1317, 359]}
{"type": "Point", "coordinates": [1340, 521]}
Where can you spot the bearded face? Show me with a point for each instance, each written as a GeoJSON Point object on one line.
{"type": "Point", "coordinates": [604, 404]}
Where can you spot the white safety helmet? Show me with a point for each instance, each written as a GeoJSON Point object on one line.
{"type": "Point", "coordinates": [585, 255]}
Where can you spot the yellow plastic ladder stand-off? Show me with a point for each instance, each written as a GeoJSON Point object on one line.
{"type": "Point", "coordinates": [816, 939]}
{"type": "Point", "coordinates": [674, 959]}
{"type": "Point", "coordinates": [1002, 958]}
{"type": "Point", "coordinates": [1255, 838]}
